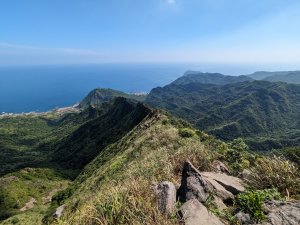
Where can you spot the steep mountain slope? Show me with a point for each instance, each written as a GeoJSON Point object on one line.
{"type": "Point", "coordinates": [27, 177]}
{"type": "Point", "coordinates": [261, 110]}
{"type": "Point", "coordinates": [87, 142]}
{"type": "Point", "coordinates": [26, 140]}
{"type": "Point", "coordinates": [209, 78]}
{"type": "Point", "coordinates": [101, 95]}
{"type": "Point", "coordinates": [118, 186]}
{"type": "Point", "coordinates": [47, 151]}
{"type": "Point", "coordinates": [115, 188]}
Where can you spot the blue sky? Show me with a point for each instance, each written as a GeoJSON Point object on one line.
{"type": "Point", "coordinates": [95, 31]}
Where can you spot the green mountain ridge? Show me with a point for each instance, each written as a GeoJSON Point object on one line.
{"type": "Point", "coordinates": [209, 78]}
{"type": "Point", "coordinates": [265, 113]}
{"type": "Point", "coordinates": [86, 142]}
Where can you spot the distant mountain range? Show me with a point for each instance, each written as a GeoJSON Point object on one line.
{"type": "Point", "coordinates": [266, 114]}
{"type": "Point", "coordinates": [292, 77]}
{"type": "Point", "coordinates": [209, 78]}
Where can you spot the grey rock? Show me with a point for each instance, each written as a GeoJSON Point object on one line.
{"type": "Point", "coordinates": [166, 197]}
{"type": "Point", "coordinates": [59, 211]}
{"type": "Point", "coordinates": [194, 213]}
{"type": "Point", "coordinates": [282, 213]}
{"type": "Point", "coordinates": [223, 185]}
{"type": "Point", "coordinates": [193, 185]}
{"type": "Point", "coordinates": [243, 218]}
{"type": "Point", "coordinates": [219, 203]}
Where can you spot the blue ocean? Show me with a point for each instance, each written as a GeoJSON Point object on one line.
{"type": "Point", "coordinates": [41, 88]}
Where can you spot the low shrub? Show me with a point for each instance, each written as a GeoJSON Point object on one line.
{"type": "Point", "coordinates": [186, 132]}
{"type": "Point", "coordinates": [252, 202]}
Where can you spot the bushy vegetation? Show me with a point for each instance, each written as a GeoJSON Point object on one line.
{"type": "Point", "coordinates": [276, 172]}
{"type": "Point", "coordinates": [291, 154]}
{"type": "Point", "coordinates": [252, 202]}
{"type": "Point", "coordinates": [186, 132]}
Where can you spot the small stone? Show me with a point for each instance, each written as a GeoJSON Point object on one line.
{"type": "Point", "coordinates": [243, 218]}
{"type": "Point", "coordinates": [219, 167]}
{"type": "Point", "coordinates": [219, 203]}
{"type": "Point", "coordinates": [166, 197]}
{"type": "Point", "coordinates": [28, 205]}
{"type": "Point", "coordinates": [59, 211]}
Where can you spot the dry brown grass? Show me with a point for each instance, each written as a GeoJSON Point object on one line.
{"type": "Point", "coordinates": [276, 172]}
{"type": "Point", "coordinates": [132, 202]}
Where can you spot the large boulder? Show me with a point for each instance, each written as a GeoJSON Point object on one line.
{"type": "Point", "coordinates": [282, 213]}
{"type": "Point", "coordinates": [166, 197]}
{"type": "Point", "coordinates": [193, 185]}
{"type": "Point", "coordinates": [223, 185]}
{"type": "Point", "coordinates": [194, 213]}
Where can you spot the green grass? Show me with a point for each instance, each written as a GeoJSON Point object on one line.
{"type": "Point", "coordinates": [25, 145]}
{"type": "Point", "coordinates": [18, 188]}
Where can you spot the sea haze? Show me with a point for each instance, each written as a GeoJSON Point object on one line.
{"type": "Point", "coordinates": [41, 88]}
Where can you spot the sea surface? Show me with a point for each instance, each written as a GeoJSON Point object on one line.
{"type": "Point", "coordinates": [42, 88]}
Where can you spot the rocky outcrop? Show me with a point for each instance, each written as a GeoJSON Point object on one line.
{"type": "Point", "coordinates": [194, 213]}
{"type": "Point", "coordinates": [166, 197]}
{"type": "Point", "coordinates": [282, 213]}
{"type": "Point", "coordinates": [225, 187]}
{"type": "Point", "coordinates": [193, 185]}
{"type": "Point", "coordinates": [194, 190]}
